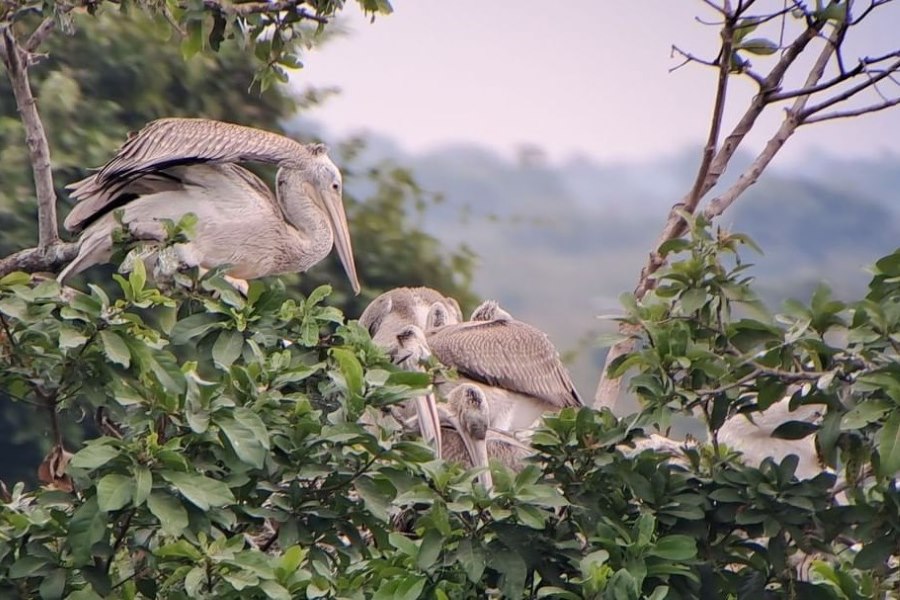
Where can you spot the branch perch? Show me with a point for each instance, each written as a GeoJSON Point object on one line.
{"type": "Point", "coordinates": [16, 60]}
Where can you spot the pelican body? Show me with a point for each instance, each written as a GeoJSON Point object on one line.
{"type": "Point", "coordinates": [515, 365]}
{"type": "Point", "coordinates": [173, 167]}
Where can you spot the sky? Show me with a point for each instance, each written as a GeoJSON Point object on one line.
{"type": "Point", "coordinates": [581, 77]}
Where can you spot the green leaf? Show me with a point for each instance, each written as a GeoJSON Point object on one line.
{"type": "Point", "coordinates": [868, 411]}
{"type": "Point", "coordinates": [413, 379]}
{"type": "Point", "coordinates": [193, 41]}
{"type": "Point", "coordinates": [114, 492]}
{"type": "Point", "coordinates": [180, 549]}
{"type": "Point", "coordinates": [53, 585]}
{"type": "Point", "coordinates": [227, 348]}
{"type": "Point", "coordinates": [69, 337]}
{"type": "Point", "coordinates": [692, 300]}
{"type": "Point", "coordinates": [430, 549]}
{"type": "Point", "coordinates": [143, 483]}
{"type": "Point", "coordinates": [406, 588]}
{"type": "Point", "coordinates": [247, 435]}
{"type": "Point", "coordinates": [874, 553]}
{"type": "Point", "coordinates": [193, 580]}
{"type": "Point", "coordinates": [513, 570]}
{"type": "Point", "coordinates": [471, 557]}
{"type": "Point", "coordinates": [675, 547]}
{"type": "Point", "coordinates": [115, 348]}
{"type": "Point", "coordinates": [350, 369]}
{"type": "Point", "coordinates": [758, 46]}
{"type": "Point", "coordinates": [274, 590]}
{"type": "Point", "coordinates": [794, 430]}
{"type": "Point", "coordinates": [888, 443]}
{"type": "Point", "coordinates": [93, 455]}
{"type": "Point", "coordinates": [86, 528]}
{"type": "Point", "coordinates": [27, 566]}
{"type": "Point", "coordinates": [195, 326]}
{"type": "Point", "coordinates": [172, 515]}
{"type": "Point", "coordinates": [200, 490]}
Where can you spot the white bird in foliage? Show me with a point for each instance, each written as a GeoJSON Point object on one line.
{"type": "Point", "coordinates": [173, 167]}
{"type": "Point", "coordinates": [753, 438]}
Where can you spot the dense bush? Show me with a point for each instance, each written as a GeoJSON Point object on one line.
{"type": "Point", "coordinates": [229, 458]}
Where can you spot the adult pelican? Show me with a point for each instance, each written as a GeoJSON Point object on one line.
{"type": "Point", "coordinates": [172, 167]}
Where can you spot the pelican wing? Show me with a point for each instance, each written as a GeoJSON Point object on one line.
{"type": "Point", "coordinates": [167, 143]}
{"type": "Point", "coordinates": [508, 354]}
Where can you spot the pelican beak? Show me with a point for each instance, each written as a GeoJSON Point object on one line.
{"type": "Point", "coordinates": [477, 449]}
{"type": "Point", "coordinates": [429, 422]}
{"type": "Point", "coordinates": [334, 206]}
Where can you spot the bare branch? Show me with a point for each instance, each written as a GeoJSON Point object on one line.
{"type": "Point", "coordinates": [843, 114]}
{"type": "Point", "coordinates": [16, 61]}
{"type": "Point", "coordinates": [850, 92]}
{"type": "Point", "coordinates": [35, 260]}
{"type": "Point", "coordinates": [793, 118]}
{"type": "Point", "coordinates": [249, 8]}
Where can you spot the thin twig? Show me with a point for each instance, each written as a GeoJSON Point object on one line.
{"type": "Point", "coordinates": [850, 92]}
{"type": "Point", "coordinates": [844, 114]}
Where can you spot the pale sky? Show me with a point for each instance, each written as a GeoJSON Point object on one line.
{"type": "Point", "coordinates": [579, 76]}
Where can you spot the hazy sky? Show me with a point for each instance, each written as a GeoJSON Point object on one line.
{"type": "Point", "coordinates": [579, 76]}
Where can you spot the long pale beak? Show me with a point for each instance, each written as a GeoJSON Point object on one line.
{"type": "Point", "coordinates": [477, 450]}
{"type": "Point", "coordinates": [429, 422]}
{"type": "Point", "coordinates": [334, 206]}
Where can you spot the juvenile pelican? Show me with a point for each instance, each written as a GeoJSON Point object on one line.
{"type": "Point", "coordinates": [514, 364]}
{"type": "Point", "coordinates": [172, 167]}
{"type": "Point", "coordinates": [396, 320]}
{"type": "Point", "coordinates": [468, 438]}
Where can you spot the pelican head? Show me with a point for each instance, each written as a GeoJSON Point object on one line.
{"type": "Point", "coordinates": [490, 310]}
{"type": "Point", "coordinates": [317, 178]}
{"type": "Point", "coordinates": [470, 416]}
{"type": "Point", "coordinates": [411, 349]}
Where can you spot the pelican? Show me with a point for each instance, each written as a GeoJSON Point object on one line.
{"type": "Point", "coordinates": [396, 320]}
{"type": "Point", "coordinates": [175, 166]}
{"type": "Point", "coordinates": [468, 438]}
{"type": "Point", "coordinates": [514, 364]}
{"type": "Point", "coordinates": [755, 442]}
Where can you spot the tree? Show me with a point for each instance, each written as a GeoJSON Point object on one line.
{"type": "Point", "coordinates": [835, 86]}
{"type": "Point", "coordinates": [230, 458]}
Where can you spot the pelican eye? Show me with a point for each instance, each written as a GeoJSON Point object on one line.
{"type": "Point", "coordinates": [336, 186]}
{"type": "Point", "coordinates": [406, 334]}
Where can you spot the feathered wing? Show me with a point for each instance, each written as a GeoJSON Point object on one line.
{"type": "Point", "coordinates": [167, 143]}
{"type": "Point", "coordinates": [206, 190]}
{"type": "Point", "coordinates": [508, 354]}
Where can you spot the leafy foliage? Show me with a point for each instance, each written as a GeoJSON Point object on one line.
{"type": "Point", "coordinates": [243, 449]}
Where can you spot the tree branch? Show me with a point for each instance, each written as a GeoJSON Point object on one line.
{"type": "Point", "coordinates": [16, 61]}
{"type": "Point", "coordinates": [33, 260]}
{"type": "Point", "coordinates": [843, 114]}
